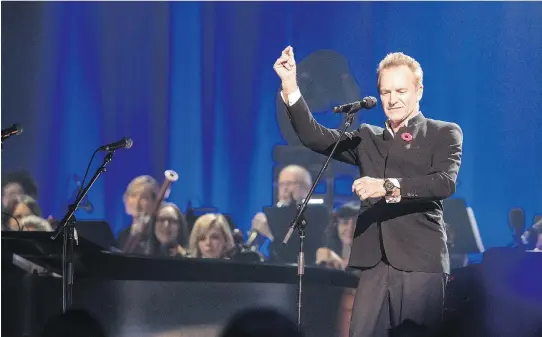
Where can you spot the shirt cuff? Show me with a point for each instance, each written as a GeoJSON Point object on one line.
{"type": "Point", "coordinates": [394, 199]}
{"type": "Point", "coordinates": [293, 97]}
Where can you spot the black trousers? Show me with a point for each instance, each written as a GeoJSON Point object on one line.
{"type": "Point", "coordinates": [391, 302]}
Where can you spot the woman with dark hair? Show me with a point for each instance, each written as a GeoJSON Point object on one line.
{"type": "Point", "coordinates": [16, 210]}
{"type": "Point", "coordinates": [338, 237]}
{"type": "Point", "coordinates": [16, 183]}
{"type": "Point", "coordinates": [170, 232]}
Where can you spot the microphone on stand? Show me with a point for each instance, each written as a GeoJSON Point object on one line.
{"type": "Point", "coordinates": [368, 102]}
{"type": "Point", "coordinates": [85, 205]}
{"type": "Point", "coordinates": [124, 143]}
{"type": "Point", "coordinates": [13, 130]}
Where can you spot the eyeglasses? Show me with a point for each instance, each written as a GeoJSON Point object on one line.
{"type": "Point", "coordinates": [170, 220]}
{"type": "Point", "coordinates": [287, 184]}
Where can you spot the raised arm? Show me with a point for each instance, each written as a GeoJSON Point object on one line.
{"type": "Point", "coordinates": [311, 134]}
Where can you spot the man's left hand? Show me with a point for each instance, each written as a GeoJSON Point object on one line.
{"type": "Point", "coordinates": [367, 187]}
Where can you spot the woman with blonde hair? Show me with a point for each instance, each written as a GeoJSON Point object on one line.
{"type": "Point", "coordinates": [211, 237]}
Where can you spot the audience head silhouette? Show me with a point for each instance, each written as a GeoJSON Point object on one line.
{"type": "Point", "coordinates": [264, 322]}
{"type": "Point", "coordinates": [73, 323]}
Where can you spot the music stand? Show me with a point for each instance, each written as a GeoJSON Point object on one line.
{"type": "Point", "coordinates": [463, 225]}
{"type": "Point", "coordinates": [98, 232]}
{"type": "Point", "coordinates": [318, 218]}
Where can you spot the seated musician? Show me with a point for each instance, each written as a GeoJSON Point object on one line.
{"type": "Point", "coordinates": [211, 237]}
{"type": "Point", "coordinates": [294, 182]}
{"type": "Point", "coordinates": [139, 199]}
{"type": "Point", "coordinates": [532, 237]}
{"type": "Point", "coordinates": [170, 231]}
{"type": "Point", "coordinates": [338, 237]}
{"type": "Point", "coordinates": [16, 183]}
{"type": "Point", "coordinates": [16, 210]}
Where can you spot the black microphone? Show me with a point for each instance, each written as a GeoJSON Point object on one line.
{"type": "Point", "coordinates": [14, 130]}
{"type": "Point", "coordinates": [368, 102]}
{"type": "Point", "coordinates": [124, 143]}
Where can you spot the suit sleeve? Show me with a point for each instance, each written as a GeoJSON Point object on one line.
{"type": "Point", "coordinates": [440, 182]}
{"type": "Point", "coordinates": [320, 139]}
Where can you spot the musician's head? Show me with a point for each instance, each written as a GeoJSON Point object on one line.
{"type": "Point", "coordinates": [19, 208]}
{"type": "Point", "coordinates": [140, 195]}
{"type": "Point", "coordinates": [16, 183]}
{"type": "Point", "coordinates": [171, 226]}
{"type": "Point", "coordinates": [400, 85]}
{"type": "Point", "coordinates": [346, 217]}
{"type": "Point", "coordinates": [294, 180]}
{"type": "Point", "coordinates": [210, 237]}
{"type": "Point", "coordinates": [340, 232]}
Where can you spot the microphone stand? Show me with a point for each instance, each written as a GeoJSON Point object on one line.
{"type": "Point", "coordinates": [300, 222]}
{"type": "Point", "coordinates": [67, 227]}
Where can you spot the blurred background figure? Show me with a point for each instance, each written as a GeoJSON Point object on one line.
{"type": "Point", "coordinates": [293, 184]}
{"type": "Point", "coordinates": [211, 237]}
{"type": "Point", "coordinates": [532, 237]}
{"type": "Point", "coordinates": [338, 237]}
{"type": "Point", "coordinates": [264, 322]}
{"type": "Point", "coordinates": [16, 183]}
{"type": "Point", "coordinates": [18, 208]}
{"type": "Point", "coordinates": [34, 223]}
{"type": "Point", "coordinates": [139, 198]}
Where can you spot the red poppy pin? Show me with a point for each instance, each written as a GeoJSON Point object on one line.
{"type": "Point", "coordinates": [407, 137]}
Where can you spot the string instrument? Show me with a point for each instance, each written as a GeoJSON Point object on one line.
{"type": "Point", "coordinates": [135, 240]}
{"type": "Point", "coordinates": [242, 252]}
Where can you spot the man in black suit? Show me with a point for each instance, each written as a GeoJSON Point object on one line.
{"type": "Point", "coordinates": [407, 168]}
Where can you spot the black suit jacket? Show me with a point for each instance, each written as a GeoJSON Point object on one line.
{"type": "Point", "coordinates": [409, 234]}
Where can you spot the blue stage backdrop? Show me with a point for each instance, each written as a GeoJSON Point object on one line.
{"type": "Point", "coordinates": [192, 84]}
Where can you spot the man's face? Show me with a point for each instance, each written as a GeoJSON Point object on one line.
{"type": "Point", "coordinates": [289, 184]}
{"type": "Point", "coordinates": [399, 93]}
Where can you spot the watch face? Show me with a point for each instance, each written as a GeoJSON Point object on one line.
{"type": "Point", "coordinates": [389, 186]}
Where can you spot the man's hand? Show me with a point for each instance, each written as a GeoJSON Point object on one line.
{"type": "Point", "coordinates": [368, 187]}
{"type": "Point", "coordinates": [330, 259]}
{"type": "Point", "coordinates": [285, 67]}
{"type": "Point", "coordinates": [139, 225]}
{"type": "Point", "coordinates": [260, 225]}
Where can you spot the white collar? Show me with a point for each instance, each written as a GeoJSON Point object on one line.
{"type": "Point", "coordinates": [388, 127]}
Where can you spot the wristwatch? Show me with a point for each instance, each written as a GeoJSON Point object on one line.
{"type": "Point", "coordinates": [389, 186]}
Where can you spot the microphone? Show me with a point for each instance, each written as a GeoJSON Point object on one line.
{"type": "Point", "coordinates": [368, 102]}
{"type": "Point", "coordinates": [124, 143]}
{"type": "Point", "coordinates": [14, 130]}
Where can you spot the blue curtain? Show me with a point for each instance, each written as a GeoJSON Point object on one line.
{"type": "Point", "coordinates": [192, 84]}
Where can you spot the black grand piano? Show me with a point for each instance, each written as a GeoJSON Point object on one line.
{"type": "Point", "coordinates": [141, 296]}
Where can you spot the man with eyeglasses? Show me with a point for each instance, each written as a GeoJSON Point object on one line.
{"type": "Point", "coordinates": [293, 184]}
